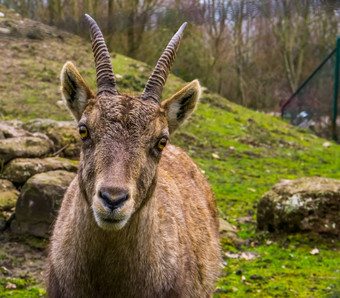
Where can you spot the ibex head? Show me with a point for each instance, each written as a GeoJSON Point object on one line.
{"type": "Point", "coordinates": [123, 136]}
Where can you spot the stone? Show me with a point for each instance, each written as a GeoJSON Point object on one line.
{"type": "Point", "coordinates": [5, 30]}
{"type": "Point", "coordinates": [8, 195]}
{"type": "Point", "coordinates": [19, 170]}
{"type": "Point", "coordinates": [229, 232]}
{"type": "Point", "coordinates": [302, 205]}
{"type": "Point", "coordinates": [64, 135]}
{"type": "Point", "coordinates": [72, 151]}
{"type": "Point", "coordinates": [39, 202]}
{"type": "Point", "coordinates": [24, 147]}
{"type": "Point", "coordinates": [12, 129]}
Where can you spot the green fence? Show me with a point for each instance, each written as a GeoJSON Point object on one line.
{"type": "Point", "coordinates": [314, 104]}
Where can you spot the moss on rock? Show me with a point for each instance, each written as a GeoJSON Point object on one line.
{"type": "Point", "coordinates": [64, 134]}
{"type": "Point", "coordinates": [39, 202]}
{"type": "Point", "coordinates": [8, 195]}
{"type": "Point", "coordinates": [302, 205]}
{"type": "Point", "coordinates": [20, 169]}
{"type": "Point", "coordinates": [24, 147]}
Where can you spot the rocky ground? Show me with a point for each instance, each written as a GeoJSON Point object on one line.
{"type": "Point", "coordinates": [22, 257]}
{"type": "Point", "coordinates": [38, 161]}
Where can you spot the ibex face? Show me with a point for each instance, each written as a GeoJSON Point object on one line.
{"type": "Point", "coordinates": [123, 136]}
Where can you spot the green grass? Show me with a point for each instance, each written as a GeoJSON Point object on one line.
{"type": "Point", "coordinates": [20, 288]}
{"type": "Point", "coordinates": [254, 152]}
{"type": "Point", "coordinates": [284, 267]}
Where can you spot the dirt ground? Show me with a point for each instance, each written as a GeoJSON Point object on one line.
{"type": "Point", "coordinates": [22, 258]}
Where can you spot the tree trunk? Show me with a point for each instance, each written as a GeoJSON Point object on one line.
{"type": "Point", "coordinates": [51, 9]}
{"type": "Point", "coordinates": [110, 17]}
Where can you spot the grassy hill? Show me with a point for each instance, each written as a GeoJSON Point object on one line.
{"type": "Point", "coordinates": [242, 152]}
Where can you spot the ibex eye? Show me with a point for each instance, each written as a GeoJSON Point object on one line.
{"type": "Point", "coordinates": [162, 143]}
{"type": "Point", "coordinates": [83, 132]}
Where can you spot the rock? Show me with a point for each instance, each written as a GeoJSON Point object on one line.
{"type": "Point", "coordinates": [39, 202]}
{"type": "Point", "coordinates": [245, 220]}
{"type": "Point", "coordinates": [229, 232]}
{"type": "Point", "coordinates": [219, 290]}
{"type": "Point", "coordinates": [256, 277]}
{"type": "Point", "coordinates": [72, 151]}
{"type": "Point", "coordinates": [20, 169]}
{"type": "Point", "coordinates": [5, 30]}
{"type": "Point", "coordinates": [64, 134]}
{"type": "Point", "coordinates": [12, 129]}
{"type": "Point", "coordinates": [303, 205]}
{"type": "Point", "coordinates": [8, 195]}
{"type": "Point", "coordinates": [226, 227]}
{"type": "Point", "coordinates": [24, 147]}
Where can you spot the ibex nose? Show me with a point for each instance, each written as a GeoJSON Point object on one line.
{"type": "Point", "coordinates": [112, 198]}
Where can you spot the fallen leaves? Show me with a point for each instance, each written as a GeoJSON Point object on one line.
{"type": "Point", "coordinates": [9, 285]}
{"type": "Point", "coordinates": [315, 251]}
{"type": "Point", "coordinates": [215, 155]}
{"type": "Point", "coordinates": [247, 255]}
{"type": "Point", "coordinates": [4, 270]}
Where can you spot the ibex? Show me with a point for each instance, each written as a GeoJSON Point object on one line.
{"type": "Point", "coordinates": [139, 219]}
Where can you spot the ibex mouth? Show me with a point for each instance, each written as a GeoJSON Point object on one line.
{"type": "Point", "coordinates": [111, 220]}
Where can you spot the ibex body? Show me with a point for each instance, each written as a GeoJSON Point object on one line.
{"type": "Point", "coordinates": [139, 219]}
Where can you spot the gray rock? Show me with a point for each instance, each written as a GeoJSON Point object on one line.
{"type": "Point", "coordinates": [8, 195]}
{"type": "Point", "coordinates": [20, 169]}
{"type": "Point", "coordinates": [303, 205]}
{"type": "Point", "coordinates": [24, 147]}
{"type": "Point", "coordinates": [228, 233]}
{"type": "Point", "coordinates": [64, 134]}
{"type": "Point", "coordinates": [5, 30]}
{"type": "Point", "coordinates": [12, 129]}
{"type": "Point", "coordinates": [39, 202]}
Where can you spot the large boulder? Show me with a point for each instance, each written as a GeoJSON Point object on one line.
{"type": "Point", "coordinates": [39, 202]}
{"type": "Point", "coordinates": [303, 205]}
{"type": "Point", "coordinates": [20, 169]}
{"type": "Point", "coordinates": [64, 134]}
{"type": "Point", "coordinates": [24, 147]}
{"type": "Point", "coordinates": [8, 195]}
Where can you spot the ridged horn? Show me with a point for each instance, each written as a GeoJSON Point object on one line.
{"type": "Point", "coordinates": [154, 86]}
{"type": "Point", "coordinates": [106, 81]}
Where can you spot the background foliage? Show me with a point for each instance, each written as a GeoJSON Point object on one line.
{"type": "Point", "coordinates": [255, 53]}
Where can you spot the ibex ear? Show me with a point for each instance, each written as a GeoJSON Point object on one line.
{"type": "Point", "coordinates": [180, 106]}
{"type": "Point", "coordinates": [74, 90]}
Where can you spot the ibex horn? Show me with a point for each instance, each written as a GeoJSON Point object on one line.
{"type": "Point", "coordinates": [154, 86]}
{"type": "Point", "coordinates": [106, 81]}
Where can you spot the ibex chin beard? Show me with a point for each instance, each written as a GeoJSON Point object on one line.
{"type": "Point", "coordinates": [112, 207]}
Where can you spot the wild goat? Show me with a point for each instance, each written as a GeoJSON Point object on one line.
{"type": "Point", "coordinates": [139, 219]}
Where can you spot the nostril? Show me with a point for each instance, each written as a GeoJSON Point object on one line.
{"type": "Point", "coordinates": [122, 198]}
{"type": "Point", "coordinates": [113, 202]}
{"type": "Point", "coordinates": [104, 195]}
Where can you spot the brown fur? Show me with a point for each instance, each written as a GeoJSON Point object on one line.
{"type": "Point", "coordinates": [166, 243]}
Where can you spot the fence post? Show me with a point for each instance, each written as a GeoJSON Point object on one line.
{"type": "Point", "coordinates": [336, 90]}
